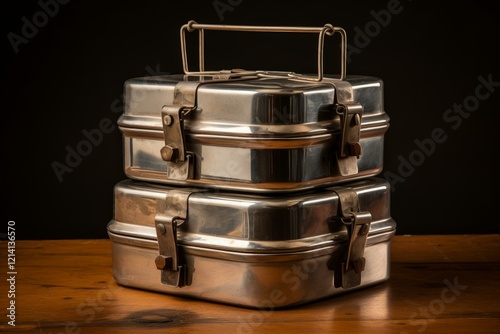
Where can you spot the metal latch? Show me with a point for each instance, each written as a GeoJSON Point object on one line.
{"type": "Point", "coordinates": [179, 161]}
{"type": "Point", "coordinates": [350, 125]}
{"type": "Point", "coordinates": [352, 262]}
{"type": "Point", "coordinates": [173, 129]}
{"type": "Point", "coordinates": [169, 261]}
{"type": "Point", "coordinates": [350, 113]}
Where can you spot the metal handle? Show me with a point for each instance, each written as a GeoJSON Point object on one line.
{"type": "Point", "coordinates": [328, 29]}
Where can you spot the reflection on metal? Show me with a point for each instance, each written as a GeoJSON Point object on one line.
{"type": "Point", "coordinates": [239, 248]}
{"type": "Point", "coordinates": [291, 132]}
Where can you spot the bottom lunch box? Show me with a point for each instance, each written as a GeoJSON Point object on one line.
{"type": "Point", "coordinates": [251, 250]}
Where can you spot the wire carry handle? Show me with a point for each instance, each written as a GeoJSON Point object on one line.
{"type": "Point", "coordinates": [326, 30]}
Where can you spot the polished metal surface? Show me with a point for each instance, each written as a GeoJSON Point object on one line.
{"type": "Point", "coordinates": [272, 107]}
{"type": "Point", "coordinates": [249, 222]}
{"type": "Point", "coordinates": [259, 135]}
{"type": "Point", "coordinates": [238, 248]}
{"type": "Point", "coordinates": [246, 279]}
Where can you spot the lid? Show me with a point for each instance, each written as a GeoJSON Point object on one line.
{"type": "Point", "coordinates": [249, 222]}
{"type": "Point", "coordinates": [250, 106]}
{"type": "Point", "coordinates": [254, 102]}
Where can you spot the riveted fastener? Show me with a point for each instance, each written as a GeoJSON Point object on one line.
{"type": "Point", "coordinates": [163, 262]}
{"type": "Point", "coordinates": [169, 153]}
{"type": "Point", "coordinates": [364, 229]}
{"type": "Point", "coordinates": [160, 228]}
{"type": "Point", "coordinates": [168, 120]}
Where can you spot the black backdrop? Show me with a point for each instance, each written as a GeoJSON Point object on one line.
{"type": "Point", "coordinates": [66, 63]}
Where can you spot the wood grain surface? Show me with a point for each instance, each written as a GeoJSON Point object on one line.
{"type": "Point", "coordinates": [438, 284]}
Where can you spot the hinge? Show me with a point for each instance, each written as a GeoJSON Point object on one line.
{"type": "Point", "coordinates": [169, 261]}
{"type": "Point", "coordinates": [352, 262]}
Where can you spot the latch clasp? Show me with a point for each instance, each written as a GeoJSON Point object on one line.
{"type": "Point", "coordinates": [169, 261]}
{"type": "Point", "coordinates": [349, 146]}
{"type": "Point", "coordinates": [173, 128]}
{"type": "Point", "coordinates": [350, 122]}
{"type": "Point", "coordinates": [350, 113]}
{"type": "Point", "coordinates": [352, 262]}
{"type": "Point", "coordinates": [172, 273]}
{"type": "Point", "coordinates": [179, 161]}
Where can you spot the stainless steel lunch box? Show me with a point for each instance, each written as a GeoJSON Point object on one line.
{"type": "Point", "coordinates": [253, 131]}
{"type": "Point", "coordinates": [252, 250]}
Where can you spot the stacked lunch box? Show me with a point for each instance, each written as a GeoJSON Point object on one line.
{"type": "Point", "coordinates": [253, 188]}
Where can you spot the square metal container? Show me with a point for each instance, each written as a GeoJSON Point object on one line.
{"type": "Point", "coordinates": [251, 250]}
{"type": "Point", "coordinates": [253, 131]}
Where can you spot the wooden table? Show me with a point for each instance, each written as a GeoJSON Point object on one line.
{"type": "Point", "coordinates": [438, 284]}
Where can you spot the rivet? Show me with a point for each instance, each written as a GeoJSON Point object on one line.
{"type": "Point", "coordinates": [364, 229]}
{"type": "Point", "coordinates": [168, 120]}
{"type": "Point", "coordinates": [357, 119]}
{"type": "Point", "coordinates": [160, 228]}
{"type": "Point", "coordinates": [163, 262]}
{"type": "Point", "coordinates": [169, 153]}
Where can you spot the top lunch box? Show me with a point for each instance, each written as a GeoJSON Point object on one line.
{"type": "Point", "coordinates": [254, 131]}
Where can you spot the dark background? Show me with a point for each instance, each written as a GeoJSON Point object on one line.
{"type": "Point", "coordinates": [69, 76]}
